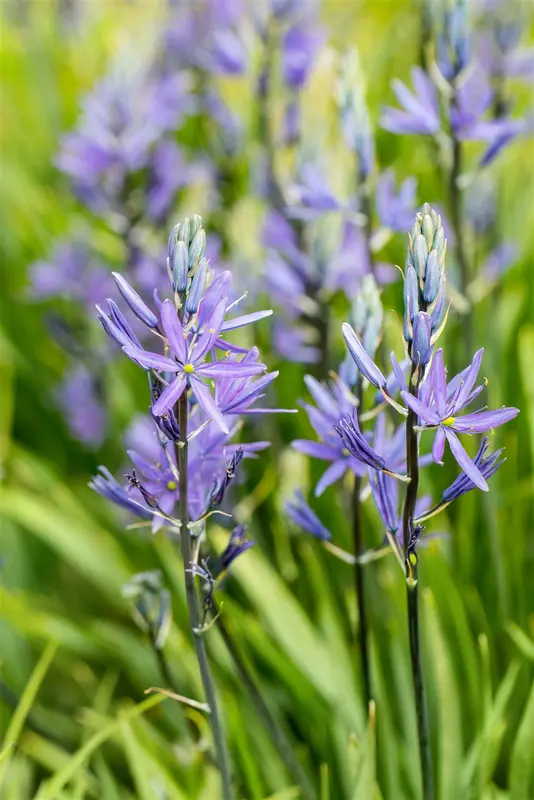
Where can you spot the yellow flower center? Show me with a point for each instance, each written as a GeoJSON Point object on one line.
{"type": "Point", "coordinates": [189, 368]}
{"type": "Point", "coordinates": [171, 485]}
{"type": "Point", "coordinates": [449, 421]}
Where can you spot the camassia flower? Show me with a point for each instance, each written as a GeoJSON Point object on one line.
{"type": "Point", "coordinates": [188, 362]}
{"type": "Point", "coordinates": [439, 404]}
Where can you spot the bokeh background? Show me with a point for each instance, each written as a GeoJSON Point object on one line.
{"type": "Point", "coordinates": [65, 555]}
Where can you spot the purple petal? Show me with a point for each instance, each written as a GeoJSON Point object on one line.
{"type": "Point", "coordinates": [480, 422]}
{"type": "Point", "coordinates": [334, 472]}
{"type": "Point", "coordinates": [428, 416]}
{"type": "Point", "coordinates": [173, 330]}
{"type": "Point", "coordinates": [439, 383]}
{"type": "Point", "coordinates": [464, 461]}
{"type": "Point", "coordinates": [363, 361]}
{"type": "Point", "coordinates": [438, 446]}
{"type": "Point", "coordinates": [151, 360]}
{"type": "Point", "coordinates": [207, 339]}
{"type": "Point", "coordinates": [469, 380]}
{"type": "Point", "coordinates": [229, 369]}
{"type": "Point", "coordinates": [207, 402]}
{"type": "Point", "coordinates": [247, 319]}
{"type": "Point", "coordinates": [315, 449]}
{"type": "Point", "coordinates": [139, 308]}
{"type": "Point", "coordinates": [169, 396]}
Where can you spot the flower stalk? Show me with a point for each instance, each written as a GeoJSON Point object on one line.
{"type": "Point", "coordinates": [408, 532]}
{"type": "Point", "coordinates": [219, 742]}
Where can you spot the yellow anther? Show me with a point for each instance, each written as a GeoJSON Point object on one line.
{"type": "Point", "coordinates": [212, 330]}
{"type": "Point", "coordinates": [189, 368]}
{"type": "Point", "coordinates": [171, 485]}
{"type": "Point", "coordinates": [449, 421]}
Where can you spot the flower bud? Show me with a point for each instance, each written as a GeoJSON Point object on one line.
{"type": "Point", "coordinates": [198, 287]}
{"type": "Point", "coordinates": [411, 301]}
{"type": "Point", "coordinates": [421, 349]}
{"type": "Point", "coordinates": [420, 253]}
{"type": "Point", "coordinates": [179, 263]}
{"type": "Point", "coordinates": [184, 233]}
{"type": "Point", "coordinates": [197, 248]}
{"type": "Point", "coordinates": [432, 278]}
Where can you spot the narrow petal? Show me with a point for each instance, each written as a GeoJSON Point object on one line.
{"type": "Point", "coordinates": [464, 461]}
{"type": "Point", "coordinates": [484, 420]}
{"type": "Point", "coordinates": [334, 473]}
{"type": "Point", "coordinates": [229, 369]}
{"type": "Point", "coordinates": [363, 361]}
{"type": "Point", "coordinates": [137, 305]}
{"type": "Point", "coordinates": [426, 414]}
{"type": "Point", "coordinates": [151, 360]}
{"type": "Point", "coordinates": [469, 380]}
{"type": "Point", "coordinates": [207, 339]}
{"type": "Point", "coordinates": [173, 330]}
{"type": "Point", "coordinates": [438, 446]}
{"type": "Point", "coordinates": [207, 402]}
{"type": "Point", "coordinates": [439, 382]}
{"type": "Point", "coordinates": [315, 449]}
{"type": "Point", "coordinates": [169, 396]}
{"type": "Point", "coordinates": [246, 319]}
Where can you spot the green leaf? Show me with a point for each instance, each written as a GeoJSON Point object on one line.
{"type": "Point", "coordinates": [522, 759]}
{"type": "Point", "coordinates": [49, 789]}
{"type": "Point", "coordinates": [26, 701]}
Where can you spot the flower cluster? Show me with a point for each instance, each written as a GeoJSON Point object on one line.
{"type": "Point", "coordinates": [218, 379]}
{"type": "Point", "coordinates": [427, 401]}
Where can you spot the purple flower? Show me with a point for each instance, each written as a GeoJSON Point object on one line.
{"type": "Point", "coordinates": [78, 398]}
{"type": "Point", "coordinates": [107, 486]}
{"type": "Point", "coordinates": [188, 363]}
{"type": "Point", "coordinates": [169, 173]}
{"type": "Point", "coordinates": [301, 514]}
{"type": "Point", "coordinates": [499, 261]}
{"type": "Point", "coordinates": [486, 466]}
{"type": "Point", "coordinates": [439, 403]}
{"type": "Point", "coordinates": [237, 545]}
{"type": "Point", "coordinates": [331, 404]}
{"type": "Point", "coordinates": [396, 211]}
{"type": "Point", "coordinates": [356, 443]}
{"type": "Point", "coordinates": [420, 108]}
{"type": "Point", "coordinates": [72, 272]}
{"type": "Point", "coordinates": [299, 50]}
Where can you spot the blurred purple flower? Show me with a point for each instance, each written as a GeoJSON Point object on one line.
{"type": "Point", "coordinates": [420, 112]}
{"type": "Point", "coordinates": [300, 47]}
{"type": "Point", "coordinates": [396, 211]}
{"type": "Point", "coordinates": [78, 398]}
{"type": "Point", "coordinates": [332, 403]}
{"type": "Point", "coordinates": [302, 515]}
{"type": "Point", "coordinates": [72, 272]}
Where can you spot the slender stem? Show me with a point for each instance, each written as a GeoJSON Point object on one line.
{"type": "Point", "coordinates": [357, 536]}
{"type": "Point", "coordinates": [277, 734]}
{"type": "Point", "coordinates": [219, 742]}
{"type": "Point", "coordinates": [412, 459]}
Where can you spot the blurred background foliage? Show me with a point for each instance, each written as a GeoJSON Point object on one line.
{"type": "Point", "coordinates": [72, 660]}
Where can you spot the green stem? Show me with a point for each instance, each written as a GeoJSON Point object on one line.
{"type": "Point", "coordinates": [412, 459]}
{"type": "Point", "coordinates": [221, 752]}
{"type": "Point", "coordinates": [357, 537]}
{"type": "Point", "coordinates": [278, 736]}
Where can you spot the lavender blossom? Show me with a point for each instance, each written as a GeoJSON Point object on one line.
{"type": "Point", "coordinates": [440, 402]}
{"type": "Point", "coordinates": [302, 515]}
{"type": "Point", "coordinates": [237, 545]}
{"type": "Point", "coordinates": [332, 403]}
